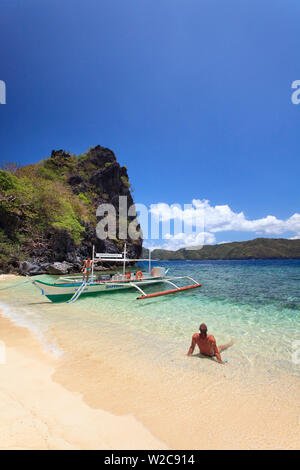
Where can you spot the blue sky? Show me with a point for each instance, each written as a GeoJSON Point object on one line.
{"type": "Point", "coordinates": [193, 96]}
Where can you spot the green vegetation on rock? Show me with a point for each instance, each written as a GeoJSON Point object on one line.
{"type": "Point", "coordinates": [125, 181]}
{"type": "Point", "coordinates": [48, 209]}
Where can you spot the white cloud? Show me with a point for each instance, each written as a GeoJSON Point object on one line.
{"type": "Point", "coordinates": [221, 218]}
{"type": "Point", "coordinates": [214, 219]}
{"type": "Point", "coordinates": [182, 240]}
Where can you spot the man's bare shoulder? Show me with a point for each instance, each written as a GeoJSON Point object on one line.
{"type": "Point", "coordinates": [211, 338]}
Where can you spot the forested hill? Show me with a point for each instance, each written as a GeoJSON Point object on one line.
{"type": "Point", "coordinates": [259, 248]}
{"type": "Point", "coordinates": [48, 211]}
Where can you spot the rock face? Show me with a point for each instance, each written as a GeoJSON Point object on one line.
{"type": "Point", "coordinates": [25, 267]}
{"type": "Point", "coordinates": [59, 243]}
{"type": "Point", "coordinates": [59, 268]}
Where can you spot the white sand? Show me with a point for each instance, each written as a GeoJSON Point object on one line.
{"type": "Point", "coordinates": [49, 403]}
{"type": "Point", "coordinates": [37, 413]}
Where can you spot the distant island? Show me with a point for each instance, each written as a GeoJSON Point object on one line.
{"type": "Point", "coordinates": [259, 248]}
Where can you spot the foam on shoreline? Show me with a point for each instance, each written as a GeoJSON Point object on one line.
{"type": "Point", "coordinates": [37, 413]}
{"type": "Point", "coordinates": [113, 363]}
{"type": "Point", "coordinates": [24, 318]}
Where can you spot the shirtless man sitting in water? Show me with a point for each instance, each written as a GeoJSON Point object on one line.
{"type": "Point", "coordinates": [207, 344]}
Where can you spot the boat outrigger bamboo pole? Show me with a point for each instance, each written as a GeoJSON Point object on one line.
{"type": "Point", "coordinates": [124, 262]}
{"type": "Point", "coordinates": [93, 263]}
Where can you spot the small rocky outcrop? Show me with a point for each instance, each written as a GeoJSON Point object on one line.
{"type": "Point", "coordinates": [59, 268]}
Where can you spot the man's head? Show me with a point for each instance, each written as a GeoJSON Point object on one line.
{"type": "Point", "coordinates": [89, 259]}
{"type": "Point", "coordinates": [203, 329]}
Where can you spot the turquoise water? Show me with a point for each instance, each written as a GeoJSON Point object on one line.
{"type": "Point", "coordinates": [257, 303]}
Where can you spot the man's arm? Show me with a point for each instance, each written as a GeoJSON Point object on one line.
{"type": "Point", "coordinates": [192, 346]}
{"type": "Point", "coordinates": [217, 354]}
{"type": "Point", "coordinates": [219, 359]}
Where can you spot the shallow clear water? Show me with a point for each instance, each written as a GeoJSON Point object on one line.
{"type": "Point", "coordinates": [257, 303]}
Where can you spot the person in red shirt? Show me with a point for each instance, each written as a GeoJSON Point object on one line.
{"type": "Point", "coordinates": [207, 344]}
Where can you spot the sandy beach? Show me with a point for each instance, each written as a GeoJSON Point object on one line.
{"type": "Point", "coordinates": [190, 411]}
{"type": "Point", "coordinates": [37, 413]}
{"type": "Point", "coordinates": [103, 395]}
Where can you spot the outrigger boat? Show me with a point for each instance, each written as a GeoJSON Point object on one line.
{"type": "Point", "coordinates": [70, 288]}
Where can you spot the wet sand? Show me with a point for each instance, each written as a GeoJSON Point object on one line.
{"type": "Point", "coordinates": [191, 410]}
{"type": "Point", "coordinates": [37, 413]}
{"type": "Point", "coordinates": [108, 398]}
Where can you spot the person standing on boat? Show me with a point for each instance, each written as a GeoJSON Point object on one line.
{"type": "Point", "coordinates": [87, 268]}
{"type": "Point", "coordinates": [207, 344]}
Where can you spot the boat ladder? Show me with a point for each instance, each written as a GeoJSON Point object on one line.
{"type": "Point", "coordinates": [77, 293]}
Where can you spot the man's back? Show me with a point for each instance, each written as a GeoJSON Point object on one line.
{"type": "Point", "coordinates": [206, 345]}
